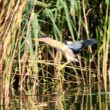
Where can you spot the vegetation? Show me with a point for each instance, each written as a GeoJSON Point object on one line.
{"type": "Point", "coordinates": [28, 70]}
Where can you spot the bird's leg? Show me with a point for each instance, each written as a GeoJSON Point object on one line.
{"type": "Point", "coordinates": [60, 67]}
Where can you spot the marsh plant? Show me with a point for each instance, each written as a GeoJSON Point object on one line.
{"type": "Point", "coordinates": [29, 69]}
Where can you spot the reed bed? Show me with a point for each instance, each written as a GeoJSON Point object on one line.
{"type": "Point", "coordinates": [31, 69]}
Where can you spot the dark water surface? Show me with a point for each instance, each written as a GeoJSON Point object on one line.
{"type": "Point", "coordinates": [66, 97]}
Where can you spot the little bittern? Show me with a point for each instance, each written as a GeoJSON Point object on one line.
{"type": "Point", "coordinates": [67, 49]}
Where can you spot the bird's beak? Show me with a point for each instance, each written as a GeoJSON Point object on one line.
{"type": "Point", "coordinates": [36, 39]}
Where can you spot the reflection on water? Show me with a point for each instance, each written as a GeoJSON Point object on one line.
{"type": "Point", "coordinates": [62, 98]}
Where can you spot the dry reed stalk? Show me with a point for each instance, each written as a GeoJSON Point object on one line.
{"type": "Point", "coordinates": [10, 17]}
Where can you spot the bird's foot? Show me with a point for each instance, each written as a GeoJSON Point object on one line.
{"type": "Point", "coordinates": [62, 66]}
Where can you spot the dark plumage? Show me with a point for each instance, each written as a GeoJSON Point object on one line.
{"type": "Point", "coordinates": [77, 46]}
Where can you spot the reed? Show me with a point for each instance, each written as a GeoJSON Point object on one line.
{"type": "Point", "coordinates": [28, 68]}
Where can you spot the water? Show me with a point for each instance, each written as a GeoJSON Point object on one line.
{"type": "Point", "coordinates": [61, 97]}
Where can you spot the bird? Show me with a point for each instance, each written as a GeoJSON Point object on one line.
{"type": "Point", "coordinates": [69, 49]}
